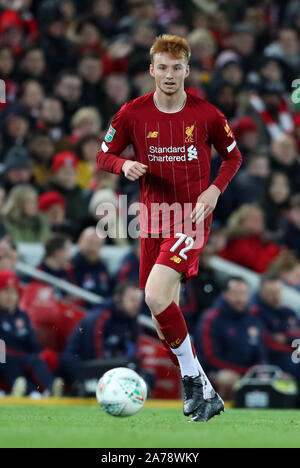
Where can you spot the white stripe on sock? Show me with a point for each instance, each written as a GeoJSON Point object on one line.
{"type": "Point", "coordinates": [208, 389]}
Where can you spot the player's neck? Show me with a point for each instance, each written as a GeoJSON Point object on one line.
{"type": "Point", "coordinates": [170, 104]}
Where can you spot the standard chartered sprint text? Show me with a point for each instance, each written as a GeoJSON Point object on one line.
{"type": "Point", "coordinates": [174, 153]}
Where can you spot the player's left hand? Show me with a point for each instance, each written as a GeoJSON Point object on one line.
{"type": "Point", "coordinates": [206, 204]}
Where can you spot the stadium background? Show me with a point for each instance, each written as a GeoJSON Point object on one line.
{"type": "Point", "coordinates": [68, 66]}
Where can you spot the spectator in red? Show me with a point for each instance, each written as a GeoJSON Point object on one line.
{"type": "Point", "coordinates": [90, 40]}
{"type": "Point", "coordinates": [246, 133]}
{"type": "Point", "coordinates": [271, 112]}
{"type": "Point", "coordinates": [23, 8]}
{"type": "Point", "coordinates": [247, 243]}
{"type": "Point", "coordinates": [53, 206]}
{"type": "Point", "coordinates": [297, 129]}
{"type": "Point", "coordinates": [64, 181]}
{"type": "Point", "coordinates": [12, 31]}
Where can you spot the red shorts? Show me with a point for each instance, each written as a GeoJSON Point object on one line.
{"type": "Point", "coordinates": [178, 253]}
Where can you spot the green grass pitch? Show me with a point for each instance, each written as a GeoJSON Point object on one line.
{"type": "Point", "coordinates": [40, 426]}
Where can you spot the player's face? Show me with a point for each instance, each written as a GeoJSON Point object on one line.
{"type": "Point", "coordinates": [169, 73]}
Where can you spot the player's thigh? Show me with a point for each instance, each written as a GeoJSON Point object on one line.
{"type": "Point", "coordinates": [176, 297]}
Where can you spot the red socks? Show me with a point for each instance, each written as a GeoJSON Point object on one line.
{"type": "Point", "coordinates": [172, 325]}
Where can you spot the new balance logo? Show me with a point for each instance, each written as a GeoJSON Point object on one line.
{"type": "Point", "coordinates": [152, 135]}
{"type": "Point", "coordinates": [192, 153]}
{"type": "Point", "coordinates": [175, 259]}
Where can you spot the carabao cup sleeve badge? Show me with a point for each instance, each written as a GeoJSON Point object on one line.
{"type": "Point", "coordinates": [110, 134]}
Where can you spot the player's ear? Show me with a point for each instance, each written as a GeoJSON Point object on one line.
{"type": "Point", "coordinates": [187, 72]}
{"type": "Point", "coordinates": [151, 70]}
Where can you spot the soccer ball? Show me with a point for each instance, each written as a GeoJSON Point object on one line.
{"type": "Point", "coordinates": [121, 392]}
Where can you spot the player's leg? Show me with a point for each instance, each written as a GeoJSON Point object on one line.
{"type": "Point", "coordinates": [171, 355]}
{"type": "Point", "coordinates": [161, 288]}
{"type": "Point", "coordinates": [208, 389]}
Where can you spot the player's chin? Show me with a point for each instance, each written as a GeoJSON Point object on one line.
{"type": "Point", "coordinates": [169, 92]}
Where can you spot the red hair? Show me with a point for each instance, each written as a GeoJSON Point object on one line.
{"type": "Point", "coordinates": [175, 46]}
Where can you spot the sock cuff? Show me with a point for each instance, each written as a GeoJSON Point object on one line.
{"type": "Point", "coordinates": [167, 315]}
{"type": "Point", "coordinates": [172, 325]}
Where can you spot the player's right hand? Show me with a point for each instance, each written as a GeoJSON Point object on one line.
{"type": "Point", "coordinates": [133, 170]}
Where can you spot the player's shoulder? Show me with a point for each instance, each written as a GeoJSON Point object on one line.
{"type": "Point", "coordinates": [138, 104]}
{"type": "Point", "coordinates": [203, 105]}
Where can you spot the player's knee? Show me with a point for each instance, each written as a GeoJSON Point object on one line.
{"type": "Point", "coordinates": [155, 302]}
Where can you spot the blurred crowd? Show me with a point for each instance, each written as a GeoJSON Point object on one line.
{"type": "Point", "coordinates": [68, 66]}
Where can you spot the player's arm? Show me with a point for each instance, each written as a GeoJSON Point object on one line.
{"type": "Point", "coordinates": [223, 140]}
{"type": "Point", "coordinates": [116, 140]}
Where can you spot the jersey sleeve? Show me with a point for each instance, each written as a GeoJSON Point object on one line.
{"type": "Point", "coordinates": [115, 141]}
{"type": "Point", "coordinates": [224, 142]}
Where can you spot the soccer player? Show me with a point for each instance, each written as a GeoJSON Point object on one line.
{"type": "Point", "coordinates": [172, 133]}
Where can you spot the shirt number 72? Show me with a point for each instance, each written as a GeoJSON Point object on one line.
{"type": "Point", "coordinates": [189, 242]}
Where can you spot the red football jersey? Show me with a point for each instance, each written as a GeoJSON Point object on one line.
{"type": "Point", "coordinates": [176, 147]}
